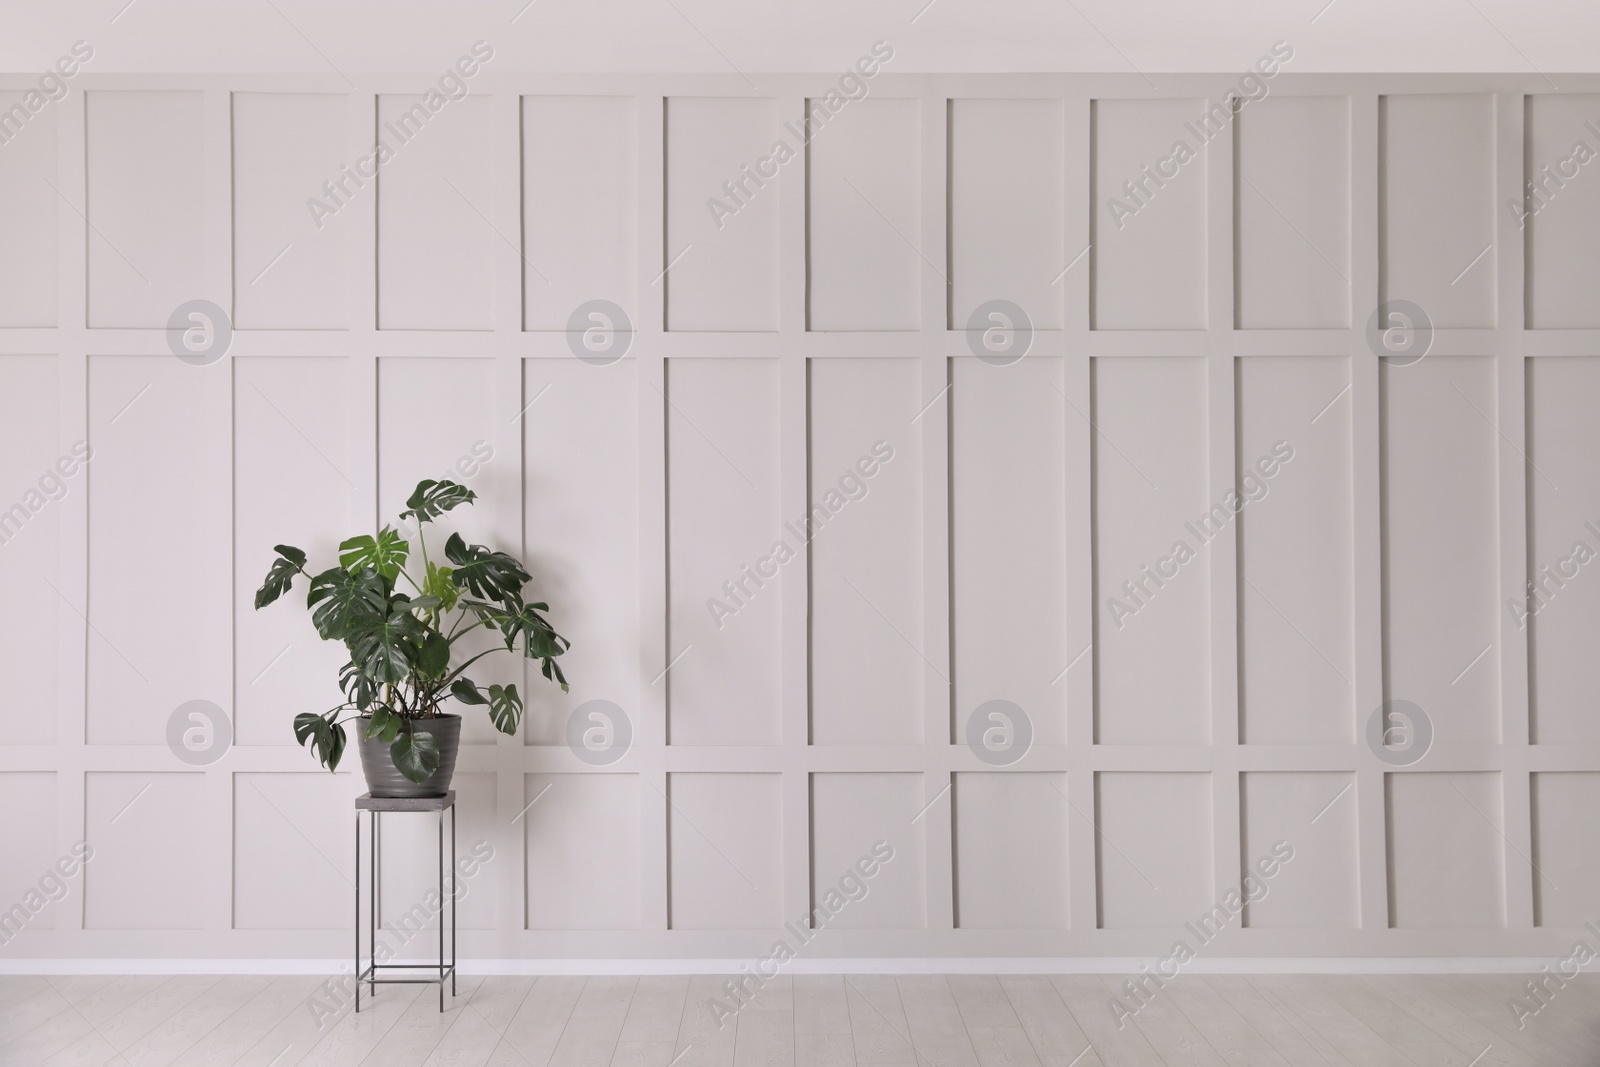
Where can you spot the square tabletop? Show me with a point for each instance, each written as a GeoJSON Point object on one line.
{"type": "Point", "coordinates": [368, 802]}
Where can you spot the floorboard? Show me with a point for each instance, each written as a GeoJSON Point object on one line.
{"type": "Point", "coordinates": [803, 1021]}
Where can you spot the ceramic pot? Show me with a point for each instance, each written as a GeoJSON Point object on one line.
{"type": "Point", "coordinates": [384, 778]}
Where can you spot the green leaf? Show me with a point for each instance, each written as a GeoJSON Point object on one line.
{"type": "Point", "coordinates": [552, 665]}
{"type": "Point", "coordinates": [438, 583]}
{"type": "Point", "coordinates": [415, 755]}
{"type": "Point", "coordinates": [426, 602]}
{"type": "Point", "coordinates": [384, 646]}
{"type": "Point", "coordinates": [505, 708]}
{"type": "Point", "coordinates": [435, 656]}
{"type": "Point", "coordinates": [488, 574]}
{"type": "Point", "coordinates": [358, 688]}
{"type": "Point", "coordinates": [539, 639]}
{"type": "Point", "coordinates": [432, 499]}
{"type": "Point", "coordinates": [305, 725]}
{"type": "Point", "coordinates": [340, 597]}
{"type": "Point", "coordinates": [385, 724]}
{"type": "Point", "coordinates": [386, 555]}
{"type": "Point", "coordinates": [327, 737]}
{"type": "Point", "coordinates": [505, 703]}
{"type": "Point", "coordinates": [542, 642]}
{"type": "Point", "coordinates": [518, 619]}
{"type": "Point", "coordinates": [290, 561]}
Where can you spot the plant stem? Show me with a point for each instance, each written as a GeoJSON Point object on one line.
{"type": "Point", "coordinates": [453, 675]}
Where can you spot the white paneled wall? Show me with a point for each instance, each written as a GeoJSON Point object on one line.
{"type": "Point", "coordinates": [799, 534]}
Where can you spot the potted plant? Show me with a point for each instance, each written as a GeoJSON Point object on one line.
{"type": "Point", "coordinates": [401, 643]}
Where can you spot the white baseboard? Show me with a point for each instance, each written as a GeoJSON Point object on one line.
{"type": "Point", "coordinates": [957, 965]}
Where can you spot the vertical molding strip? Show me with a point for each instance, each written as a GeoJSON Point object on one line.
{"type": "Point", "coordinates": [361, 259]}
{"type": "Point", "coordinates": [360, 247]}
{"type": "Point", "coordinates": [218, 817]}
{"type": "Point", "coordinates": [794, 495]}
{"type": "Point", "coordinates": [72, 377]}
{"type": "Point", "coordinates": [1367, 496]}
{"type": "Point", "coordinates": [507, 431]}
{"type": "Point", "coordinates": [1222, 441]}
{"type": "Point", "coordinates": [1083, 909]}
{"type": "Point", "coordinates": [939, 738]}
{"type": "Point", "coordinates": [1512, 419]}
{"type": "Point", "coordinates": [651, 732]}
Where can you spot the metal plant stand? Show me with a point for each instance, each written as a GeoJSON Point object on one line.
{"type": "Point", "coordinates": [375, 807]}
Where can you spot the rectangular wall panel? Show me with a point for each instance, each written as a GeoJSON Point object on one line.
{"type": "Point", "coordinates": [1446, 850]}
{"type": "Point", "coordinates": [581, 526]}
{"type": "Point", "coordinates": [1560, 215]}
{"type": "Point", "coordinates": [1152, 525]}
{"type": "Point", "coordinates": [418, 439]}
{"type": "Point", "coordinates": [292, 865]}
{"type": "Point", "coordinates": [863, 201]}
{"type": "Point", "coordinates": [1300, 858]}
{"type": "Point", "coordinates": [36, 475]}
{"type": "Point", "coordinates": [1292, 213]}
{"type": "Point", "coordinates": [571, 884]}
{"type": "Point", "coordinates": [1566, 870]}
{"type": "Point", "coordinates": [1440, 539]}
{"type": "Point", "coordinates": [29, 255]}
{"type": "Point", "coordinates": [1153, 848]}
{"type": "Point", "coordinates": [291, 234]}
{"type": "Point", "coordinates": [1436, 206]}
{"type": "Point", "coordinates": [1008, 540]}
{"type": "Point", "coordinates": [1296, 550]}
{"type": "Point", "coordinates": [722, 523]}
{"type": "Point", "coordinates": [438, 235]}
{"type": "Point", "coordinates": [1148, 214]}
{"type": "Point", "coordinates": [147, 655]}
{"type": "Point", "coordinates": [1007, 166]}
{"type": "Point", "coordinates": [580, 205]}
{"type": "Point", "coordinates": [865, 536]}
{"type": "Point", "coordinates": [1561, 610]}
{"type": "Point", "coordinates": [146, 228]}
{"type": "Point", "coordinates": [724, 832]}
{"type": "Point", "coordinates": [295, 485]}
{"type": "Point", "coordinates": [31, 847]}
{"type": "Point", "coordinates": [867, 818]}
{"type": "Point", "coordinates": [148, 865]}
{"type": "Point", "coordinates": [722, 213]}
{"type": "Point", "coordinates": [1011, 870]}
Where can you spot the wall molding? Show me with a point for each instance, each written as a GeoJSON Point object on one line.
{"type": "Point", "coordinates": [96, 738]}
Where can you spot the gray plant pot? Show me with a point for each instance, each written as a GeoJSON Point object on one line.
{"type": "Point", "coordinates": [384, 778]}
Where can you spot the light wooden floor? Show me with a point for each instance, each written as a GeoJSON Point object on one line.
{"type": "Point", "coordinates": [806, 1021]}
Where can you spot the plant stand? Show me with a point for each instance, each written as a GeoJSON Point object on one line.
{"type": "Point", "coordinates": [375, 807]}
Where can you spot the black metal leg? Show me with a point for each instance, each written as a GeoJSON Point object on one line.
{"type": "Point", "coordinates": [441, 909]}
{"type": "Point", "coordinates": [454, 873]}
{"type": "Point", "coordinates": [357, 971]}
{"type": "Point", "coordinates": [372, 898]}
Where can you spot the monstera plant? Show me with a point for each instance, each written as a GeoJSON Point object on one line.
{"type": "Point", "coordinates": [400, 618]}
